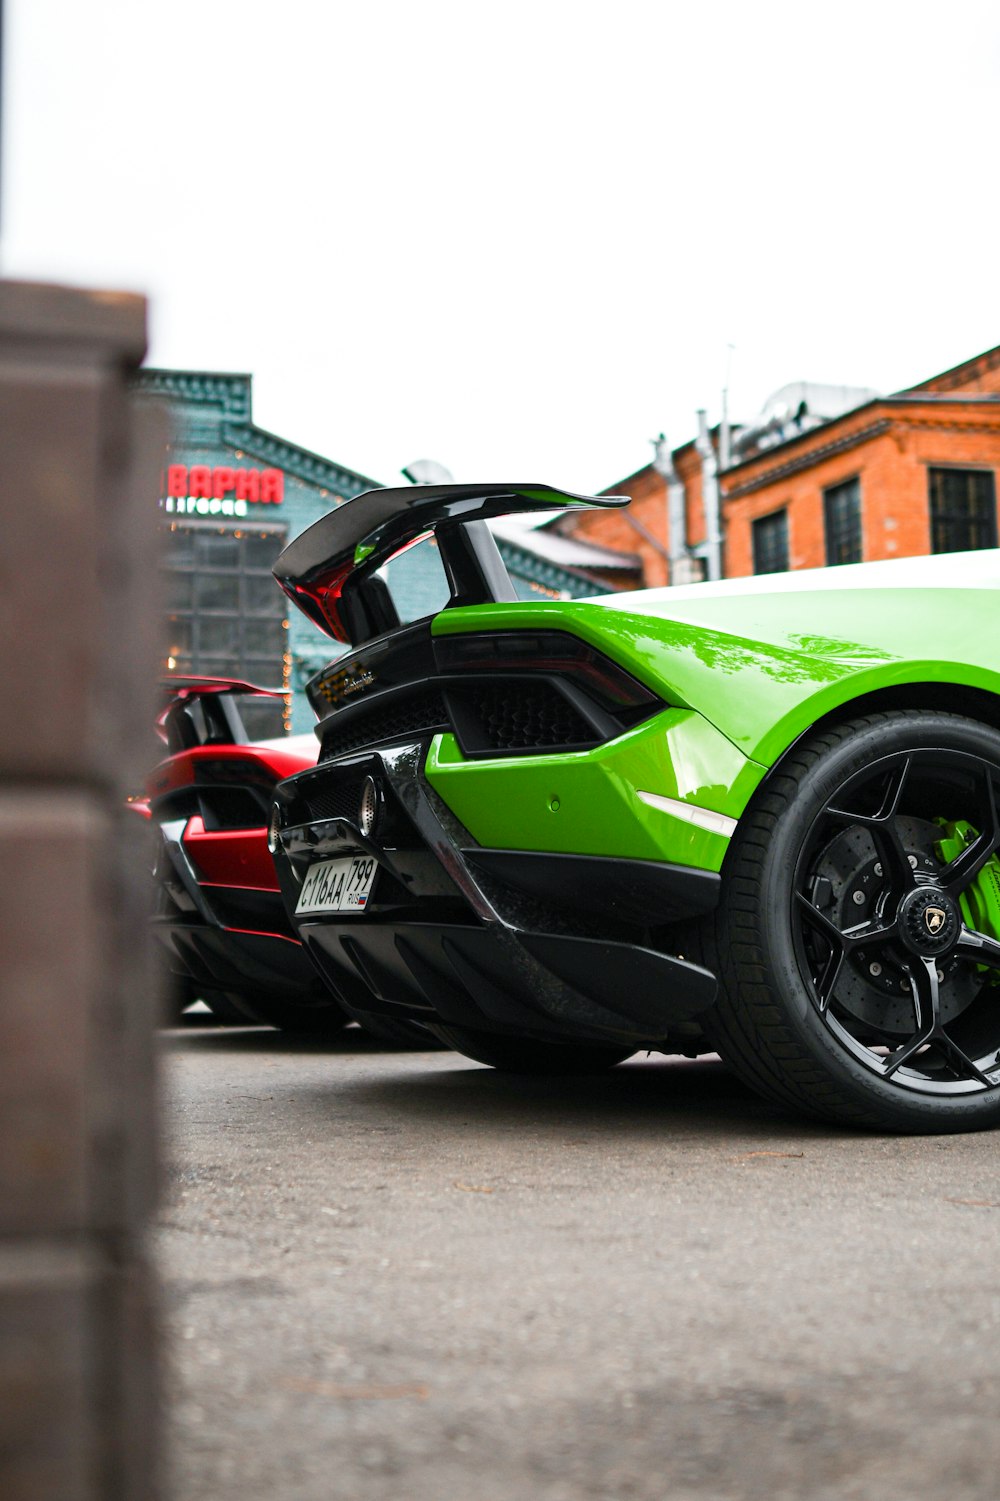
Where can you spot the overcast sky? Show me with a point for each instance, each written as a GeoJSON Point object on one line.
{"type": "Point", "coordinates": [518, 238]}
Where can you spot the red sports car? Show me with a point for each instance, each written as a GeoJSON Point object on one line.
{"type": "Point", "coordinates": [219, 912]}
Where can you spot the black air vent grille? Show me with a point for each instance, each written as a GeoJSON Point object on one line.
{"type": "Point", "coordinates": [219, 807]}
{"type": "Point", "coordinates": [326, 799]}
{"type": "Point", "coordinates": [524, 715]}
{"type": "Point", "coordinates": [419, 714]}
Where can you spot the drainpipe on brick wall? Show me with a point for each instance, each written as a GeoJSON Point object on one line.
{"type": "Point", "coordinates": [710, 498]}
{"type": "Point", "coordinates": [725, 434]}
{"type": "Point", "coordinates": [677, 548]}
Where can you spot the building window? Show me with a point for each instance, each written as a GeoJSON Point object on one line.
{"type": "Point", "coordinates": [963, 509]}
{"type": "Point", "coordinates": [770, 543]}
{"type": "Point", "coordinates": [842, 516]}
{"type": "Point", "coordinates": [225, 615]}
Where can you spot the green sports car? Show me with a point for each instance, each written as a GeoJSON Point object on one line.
{"type": "Point", "coordinates": [756, 817]}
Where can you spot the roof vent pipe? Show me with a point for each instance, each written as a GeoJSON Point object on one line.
{"type": "Point", "coordinates": [725, 433]}
{"type": "Point", "coordinates": [677, 548]}
{"type": "Point", "coordinates": [710, 498]}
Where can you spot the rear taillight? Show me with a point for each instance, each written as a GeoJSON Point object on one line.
{"type": "Point", "coordinates": [320, 600]}
{"type": "Point", "coordinates": [552, 652]}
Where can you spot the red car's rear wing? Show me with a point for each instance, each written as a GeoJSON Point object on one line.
{"type": "Point", "coordinates": [217, 720]}
{"type": "Point", "coordinates": [179, 686]}
{"type": "Point", "coordinates": [330, 570]}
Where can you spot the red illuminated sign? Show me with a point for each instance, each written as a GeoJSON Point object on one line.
{"type": "Point", "coordinates": [222, 491]}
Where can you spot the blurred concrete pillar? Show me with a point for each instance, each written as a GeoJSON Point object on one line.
{"type": "Point", "coordinates": [78, 621]}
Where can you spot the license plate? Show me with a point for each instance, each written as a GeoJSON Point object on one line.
{"type": "Point", "coordinates": [338, 885]}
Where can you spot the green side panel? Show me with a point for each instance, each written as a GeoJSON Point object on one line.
{"type": "Point", "coordinates": [763, 667]}
{"type": "Point", "coordinates": [587, 802]}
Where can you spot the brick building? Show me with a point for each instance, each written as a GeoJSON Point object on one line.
{"type": "Point", "coordinates": [825, 476]}
{"type": "Point", "coordinates": [897, 476]}
{"type": "Point", "coordinates": [644, 528]}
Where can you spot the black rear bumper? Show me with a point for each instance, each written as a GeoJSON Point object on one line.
{"type": "Point", "coordinates": [556, 946]}
{"type": "Point", "coordinates": [220, 959]}
{"type": "Point", "coordinates": [227, 938]}
{"type": "Point", "coordinates": [549, 985]}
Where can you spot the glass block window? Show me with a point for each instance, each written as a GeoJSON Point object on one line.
{"type": "Point", "coordinates": [770, 543]}
{"type": "Point", "coordinates": [225, 615]}
{"type": "Point", "coordinates": [842, 519]}
{"type": "Point", "coordinates": [963, 509]}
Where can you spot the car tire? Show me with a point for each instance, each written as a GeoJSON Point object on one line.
{"type": "Point", "coordinates": [523, 1055]}
{"type": "Point", "coordinates": [398, 1033]}
{"type": "Point", "coordinates": [230, 1009]}
{"type": "Point", "coordinates": [323, 1017]}
{"type": "Point", "coordinates": [836, 998]}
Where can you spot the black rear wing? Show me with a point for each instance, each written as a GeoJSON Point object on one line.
{"type": "Point", "coordinates": [331, 570]}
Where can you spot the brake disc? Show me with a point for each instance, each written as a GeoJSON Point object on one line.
{"type": "Point", "coordinates": [848, 886]}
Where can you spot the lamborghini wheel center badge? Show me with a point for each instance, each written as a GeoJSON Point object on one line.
{"type": "Point", "coordinates": [929, 922]}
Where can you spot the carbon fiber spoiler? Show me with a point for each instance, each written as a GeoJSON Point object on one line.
{"type": "Point", "coordinates": [330, 571]}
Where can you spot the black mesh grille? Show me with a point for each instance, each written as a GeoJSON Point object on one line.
{"type": "Point", "coordinates": [326, 799]}
{"type": "Point", "coordinates": [522, 715]}
{"type": "Point", "coordinates": [417, 715]}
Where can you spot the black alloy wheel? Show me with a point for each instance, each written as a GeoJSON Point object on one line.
{"type": "Point", "coordinates": [857, 941]}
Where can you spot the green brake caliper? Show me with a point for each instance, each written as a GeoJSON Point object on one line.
{"type": "Point", "coordinates": [980, 901]}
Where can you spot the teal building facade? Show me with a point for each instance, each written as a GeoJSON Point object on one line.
{"type": "Point", "coordinates": [232, 495]}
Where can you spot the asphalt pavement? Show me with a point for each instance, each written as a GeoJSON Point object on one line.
{"type": "Point", "coordinates": [401, 1275]}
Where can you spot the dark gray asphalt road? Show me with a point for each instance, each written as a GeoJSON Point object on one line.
{"type": "Point", "coordinates": [399, 1275]}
